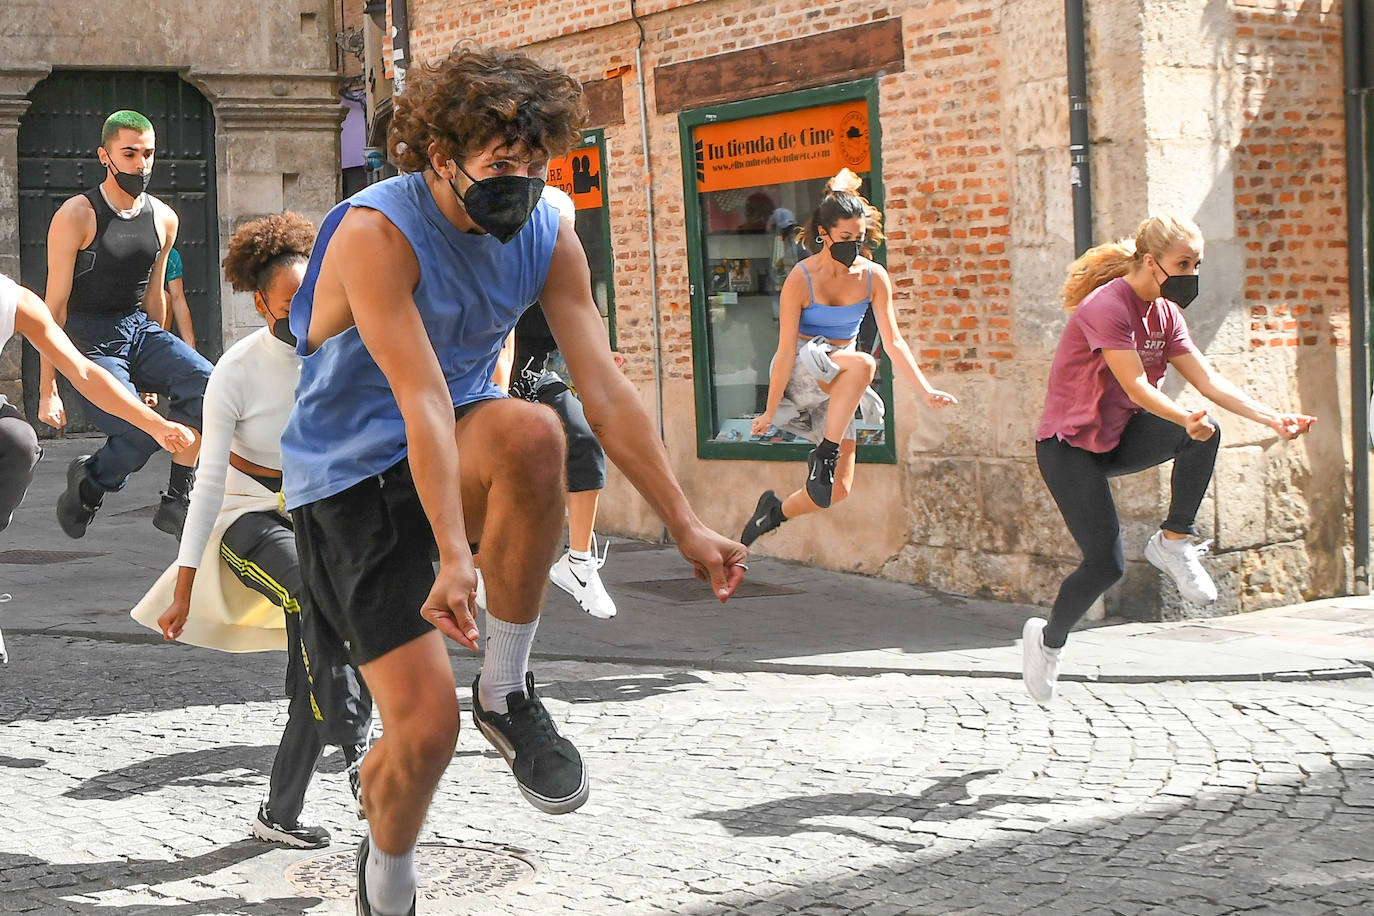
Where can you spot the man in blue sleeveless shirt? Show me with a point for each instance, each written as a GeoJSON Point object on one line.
{"type": "Point", "coordinates": [400, 445]}
{"type": "Point", "coordinates": [107, 257]}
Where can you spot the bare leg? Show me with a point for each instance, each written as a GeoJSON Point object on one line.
{"type": "Point", "coordinates": [414, 693]}
{"type": "Point", "coordinates": [187, 456]}
{"type": "Point", "coordinates": [856, 374]}
{"type": "Point", "coordinates": [798, 503]}
{"type": "Point", "coordinates": [582, 519]}
{"type": "Point", "coordinates": [511, 455]}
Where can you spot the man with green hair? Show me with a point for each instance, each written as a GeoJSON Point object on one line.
{"type": "Point", "coordinates": [107, 263]}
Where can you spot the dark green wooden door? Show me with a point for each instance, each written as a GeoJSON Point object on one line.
{"type": "Point", "coordinates": [58, 136]}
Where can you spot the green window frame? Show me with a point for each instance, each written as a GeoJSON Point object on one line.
{"type": "Point", "coordinates": [594, 228]}
{"type": "Point", "coordinates": [709, 446]}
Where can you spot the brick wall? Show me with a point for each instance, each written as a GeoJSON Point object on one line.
{"type": "Point", "coordinates": [1290, 174]}
{"type": "Point", "coordinates": [975, 173]}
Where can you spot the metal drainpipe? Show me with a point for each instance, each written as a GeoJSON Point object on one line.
{"type": "Point", "coordinates": [649, 220]}
{"type": "Point", "coordinates": [1080, 143]}
{"type": "Point", "coordinates": [400, 44]}
{"type": "Point", "coordinates": [1358, 26]}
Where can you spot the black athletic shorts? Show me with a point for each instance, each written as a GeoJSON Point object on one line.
{"type": "Point", "coordinates": [366, 560]}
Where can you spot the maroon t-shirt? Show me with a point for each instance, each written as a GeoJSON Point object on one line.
{"type": "Point", "coordinates": [1085, 405]}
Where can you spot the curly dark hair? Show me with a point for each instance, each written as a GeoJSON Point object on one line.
{"type": "Point", "coordinates": [259, 248]}
{"type": "Point", "coordinates": [459, 104]}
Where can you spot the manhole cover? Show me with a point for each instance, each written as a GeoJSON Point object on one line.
{"type": "Point", "coordinates": [446, 872]}
{"type": "Point", "coordinates": [696, 590]}
{"type": "Point", "coordinates": [41, 557]}
{"type": "Point", "coordinates": [1335, 614]}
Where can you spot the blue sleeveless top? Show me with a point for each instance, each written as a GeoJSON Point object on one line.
{"type": "Point", "coordinates": [837, 322]}
{"type": "Point", "coordinates": [346, 426]}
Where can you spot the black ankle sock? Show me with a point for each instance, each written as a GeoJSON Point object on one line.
{"type": "Point", "coordinates": [828, 448]}
{"type": "Point", "coordinates": [91, 494]}
{"type": "Point", "coordinates": [179, 481]}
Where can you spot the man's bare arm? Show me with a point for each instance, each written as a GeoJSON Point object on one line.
{"type": "Point", "coordinates": [155, 296]}
{"type": "Point", "coordinates": [620, 421]}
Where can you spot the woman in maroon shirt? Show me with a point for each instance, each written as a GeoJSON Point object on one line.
{"type": "Point", "coordinates": [1105, 416]}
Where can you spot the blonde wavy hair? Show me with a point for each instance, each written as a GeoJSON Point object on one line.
{"type": "Point", "coordinates": [1106, 262]}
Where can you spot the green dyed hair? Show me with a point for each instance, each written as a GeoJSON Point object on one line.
{"type": "Point", "coordinates": [125, 119]}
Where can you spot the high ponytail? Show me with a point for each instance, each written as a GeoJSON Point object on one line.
{"type": "Point", "coordinates": [842, 200]}
{"type": "Point", "coordinates": [1103, 263]}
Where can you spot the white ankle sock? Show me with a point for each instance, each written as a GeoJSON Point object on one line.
{"type": "Point", "coordinates": [1176, 544]}
{"type": "Point", "coordinates": [580, 556]}
{"type": "Point", "coordinates": [506, 660]}
{"type": "Point", "coordinates": [390, 880]}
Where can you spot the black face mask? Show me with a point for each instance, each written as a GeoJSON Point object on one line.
{"type": "Point", "coordinates": [281, 329]}
{"type": "Point", "coordinates": [131, 183]}
{"type": "Point", "coordinates": [845, 252]}
{"type": "Point", "coordinates": [500, 205]}
{"type": "Point", "coordinates": [1180, 289]}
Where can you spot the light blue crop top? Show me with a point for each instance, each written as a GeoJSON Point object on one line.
{"type": "Point", "coordinates": [837, 322]}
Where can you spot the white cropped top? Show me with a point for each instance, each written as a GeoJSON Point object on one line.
{"type": "Point", "coordinates": [247, 401]}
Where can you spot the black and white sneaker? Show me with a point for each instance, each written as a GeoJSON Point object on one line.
{"type": "Point", "coordinates": [547, 768]}
{"type": "Point", "coordinates": [767, 516]}
{"type": "Point", "coordinates": [820, 476]}
{"type": "Point", "coordinates": [301, 836]}
{"type": "Point", "coordinates": [74, 514]}
{"type": "Point", "coordinates": [170, 516]}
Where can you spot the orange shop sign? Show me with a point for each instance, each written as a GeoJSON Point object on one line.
{"type": "Point", "coordinates": [778, 148]}
{"type": "Point", "coordinates": [579, 174]}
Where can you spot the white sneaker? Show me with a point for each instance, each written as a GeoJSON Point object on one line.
{"type": "Point", "coordinates": [481, 591]}
{"type": "Point", "coordinates": [583, 582]}
{"type": "Point", "coordinates": [1039, 663]}
{"type": "Point", "coordinates": [1185, 566]}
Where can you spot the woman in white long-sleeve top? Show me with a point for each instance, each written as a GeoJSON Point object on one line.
{"type": "Point", "coordinates": [237, 532]}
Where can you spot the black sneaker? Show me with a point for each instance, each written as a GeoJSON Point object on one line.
{"type": "Point", "coordinates": [301, 836]}
{"type": "Point", "coordinates": [73, 512]}
{"type": "Point", "coordinates": [364, 907]}
{"type": "Point", "coordinates": [170, 516]}
{"type": "Point", "coordinates": [820, 476]}
{"type": "Point", "coordinates": [547, 768]}
{"type": "Point", "coordinates": [767, 516]}
{"type": "Point", "coordinates": [355, 780]}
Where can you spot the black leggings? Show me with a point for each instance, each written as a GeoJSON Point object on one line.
{"type": "Point", "coordinates": [329, 702]}
{"type": "Point", "coordinates": [1077, 479]}
{"type": "Point", "coordinates": [19, 452]}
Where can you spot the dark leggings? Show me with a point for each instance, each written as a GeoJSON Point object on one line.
{"type": "Point", "coordinates": [1077, 479]}
{"type": "Point", "coordinates": [19, 452]}
{"type": "Point", "coordinates": [329, 702]}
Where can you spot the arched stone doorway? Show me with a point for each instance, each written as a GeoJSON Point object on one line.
{"type": "Point", "coordinates": [57, 138]}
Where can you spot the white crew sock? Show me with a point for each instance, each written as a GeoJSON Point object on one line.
{"type": "Point", "coordinates": [1174, 544]}
{"type": "Point", "coordinates": [506, 660]}
{"type": "Point", "coordinates": [390, 880]}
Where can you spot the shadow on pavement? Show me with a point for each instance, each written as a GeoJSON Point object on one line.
{"type": "Point", "coordinates": [25, 880]}
{"type": "Point", "coordinates": [1298, 845]}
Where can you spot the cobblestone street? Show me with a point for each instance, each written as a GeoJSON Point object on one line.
{"type": "Point", "coordinates": [131, 770]}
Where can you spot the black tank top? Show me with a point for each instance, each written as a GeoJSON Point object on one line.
{"type": "Point", "coordinates": [112, 272]}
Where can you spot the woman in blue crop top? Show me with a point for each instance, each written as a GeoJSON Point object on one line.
{"type": "Point", "coordinates": [817, 371]}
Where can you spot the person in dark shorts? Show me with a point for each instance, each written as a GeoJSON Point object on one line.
{"type": "Point", "coordinates": [400, 445]}
{"type": "Point", "coordinates": [578, 570]}
{"type": "Point", "coordinates": [241, 541]}
{"type": "Point", "coordinates": [107, 259]}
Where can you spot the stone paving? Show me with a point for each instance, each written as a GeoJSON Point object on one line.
{"type": "Point", "coordinates": [130, 771]}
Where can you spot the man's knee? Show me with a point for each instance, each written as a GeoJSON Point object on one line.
{"type": "Point", "coordinates": [539, 450]}
{"type": "Point", "coordinates": [423, 740]}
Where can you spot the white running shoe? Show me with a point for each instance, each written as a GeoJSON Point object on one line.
{"type": "Point", "coordinates": [481, 591]}
{"type": "Point", "coordinates": [1184, 565]}
{"type": "Point", "coordinates": [583, 582]}
{"type": "Point", "coordinates": [1039, 663]}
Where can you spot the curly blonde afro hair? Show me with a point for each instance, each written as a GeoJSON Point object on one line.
{"type": "Point", "coordinates": [262, 246]}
